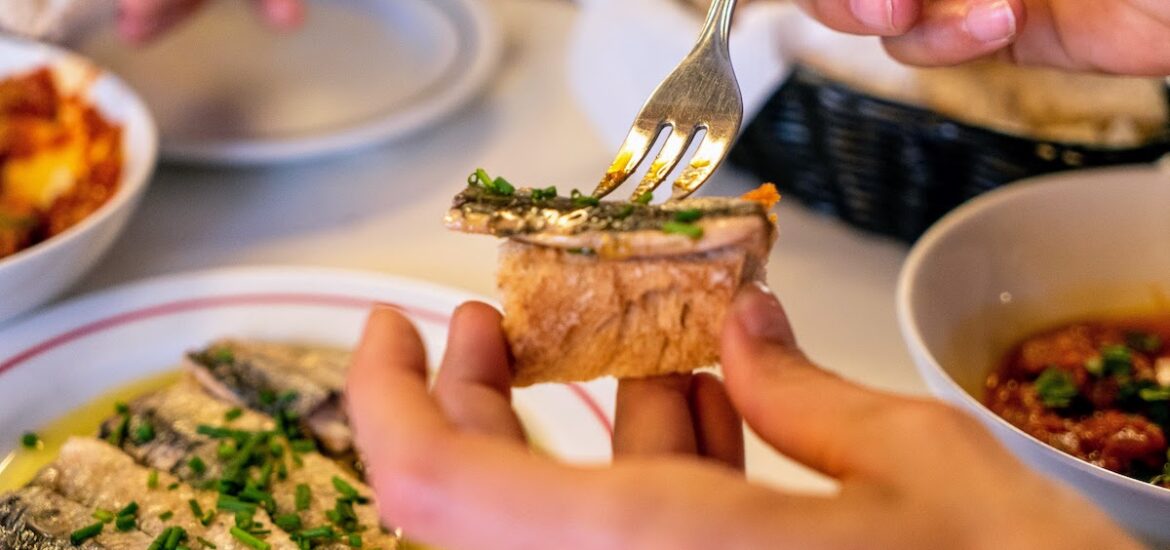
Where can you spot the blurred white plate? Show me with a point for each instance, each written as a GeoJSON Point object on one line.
{"type": "Point", "coordinates": [74, 352]}
{"type": "Point", "coordinates": [226, 89]}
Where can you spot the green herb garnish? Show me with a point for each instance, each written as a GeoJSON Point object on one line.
{"type": "Point", "coordinates": [581, 200]}
{"type": "Point", "coordinates": [121, 408]}
{"type": "Point", "coordinates": [206, 543]}
{"type": "Point", "coordinates": [248, 539]}
{"type": "Point", "coordinates": [688, 216]}
{"type": "Point", "coordinates": [125, 523]}
{"type": "Point", "coordinates": [644, 198]}
{"type": "Point", "coordinates": [355, 540]}
{"type": "Point", "coordinates": [625, 211]}
{"type": "Point", "coordinates": [1154, 394]}
{"type": "Point", "coordinates": [197, 465]}
{"type": "Point", "coordinates": [152, 479]}
{"type": "Point", "coordinates": [1055, 388]}
{"type": "Point", "coordinates": [104, 516]}
{"type": "Point", "coordinates": [129, 509]}
{"type": "Point", "coordinates": [304, 497]}
{"type": "Point", "coordinates": [347, 491]}
{"type": "Point", "coordinates": [30, 440]}
{"type": "Point", "coordinates": [85, 533]}
{"type": "Point", "coordinates": [288, 522]}
{"type": "Point", "coordinates": [303, 445]}
{"type": "Point", "coordinates": [1116, 360]}
{"type": "Point", "coordinates": [118, 434]}
{"type": "Point", "coordinates": [547, 193]}
{"type": "Point", "coordinates": [680, 228]}
{"type": "Point", "coordinates": [143, 433]}
{"type": "Point", "coordinates": [232, 414]}
{"type": "Point", "coordinates": [166, 515]}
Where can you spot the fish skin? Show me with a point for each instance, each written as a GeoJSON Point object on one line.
{"type": "Point", "coordinates": [477, 210]}
{"type": "Point", "coordinates": [98, 475]}
{"type": "Point", "coordinates": [244, 370]}
{"type": "Point", "coordinates": [37, 518]}
{"type": "Point", "coordinates": [175, 413]}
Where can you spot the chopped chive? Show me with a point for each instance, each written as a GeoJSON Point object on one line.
{"type": "Point", "coordinates": [303, 445]}
{"type": "Point", "coordinates": [143, 433]}
{"type": "Point", "coordinates": [248, 539]}
{"type": "Point", "coordinates": [85, 533]}
{"type": "Point", "coordinates": [30, 440]}
{"type": "Point", "coordinates": [1145, 342]}
{"type": "Point", "coordinates": [121, 408]}
{"type": "Point", "coordinates": [173, 486]}
{"type": "Point", "coordinates": [233, 504]}
{"type": "Point", "coordinates": [288, 522]}
{"type": "Point", "coordinates": [324, 531]}
{"type": "Point", "coordinates": [206, 543]}
{"type": "Point", "coordinates": [1055, 388]}
{"type": "Point", "coordinates": [152, 479]}
{"type": "Point", "coordinates": [129, 509]}
{"type": "Point", "coordinates": [501, 186]}
{"type": "Point", "coordinates": [304, 497]}
{"type": "Point", "coordinates": [1154, 394]}
{"type": "Point", "coordinates": [125, 523]}
{"type": "Point", "coordinates": [118, 434]}
{"type": "Point", "coordinates": [689, 215]}
{"type": "Point", "coordinates": [348, 491]}
{"type": "Point", "coordinates": [679, 228]}
{"type": "Point", "coordinates": [644, 198]}
{"type": "Point", "coordinates": [232, 414]}
{"type": "Point", "coordinates": [547, 193]}
{"type": "Point", "coordinates": [226, 449]}
{"type": "Point", "coordinates": [104, 516]}
{"type": "Point", "coordinates": [481, 176]}
{"type": "Point", "coordinates": [159, 540]}
{"type": "Point", "coordinates": [197, 465]}
{"type": "Point", "coordinates": [176, 535]}
{"type": "Point", "coordinates": [196, 509]}
{"type": "Point", "coordinates": [580, 199]}
{"type": "Point", "coordinates": [166, 515]}
{"type": "Point", "coordinates": [355, 540]}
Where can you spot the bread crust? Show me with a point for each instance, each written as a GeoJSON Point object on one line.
{"type": "Point", "coordinates": [572, 317]}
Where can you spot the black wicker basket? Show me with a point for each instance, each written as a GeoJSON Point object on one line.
{"type": "Point", "coordinates": [892, 168]}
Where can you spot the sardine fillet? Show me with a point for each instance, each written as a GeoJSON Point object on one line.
{"type": "Point", "coordinates": [36, 518]}
{"type": "Point", "coordinates": [98, 475]}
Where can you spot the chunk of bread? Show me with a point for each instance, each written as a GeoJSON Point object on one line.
{"type": "Point", "coordinates": [573, 317]}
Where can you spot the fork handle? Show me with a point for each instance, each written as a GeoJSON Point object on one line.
{"type": "Point", "coordinates": [717, 29]}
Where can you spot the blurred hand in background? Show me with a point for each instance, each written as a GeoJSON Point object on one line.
{"type": "Point", "coordinates": [1114, 36]}
{"type": "Point", "coordinates": [143, 20]}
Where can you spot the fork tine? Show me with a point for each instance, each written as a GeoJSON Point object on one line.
{"type": "Point", "coordinates": [672, 151]}
{"type": "Point", "coordinates": [708, 156]}
{"type": "Point", "coordinates": [637, 144]}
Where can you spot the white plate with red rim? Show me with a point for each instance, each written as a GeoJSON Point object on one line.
{"type": "Point", "coordinates": [75, 352]}
{"type": "Point", "coordinates": [227, 89]}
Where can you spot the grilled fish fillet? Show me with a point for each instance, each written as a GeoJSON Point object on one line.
{"type": "Point", "coordinates": [176, 412]}
{"type": "Point", "coordinates": [37, 518]}
{"type": "Point", "coordinates": [244, 371]}
{"type": "Point", "coordinates": [98, 475]}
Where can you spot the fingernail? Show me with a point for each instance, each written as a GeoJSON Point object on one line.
{"type": "Point", "coordinates": [876, 14]}
{"type": "Point", "coordinates": [991, 21]}
{"type": "Point", "coordinates": [760, 314]}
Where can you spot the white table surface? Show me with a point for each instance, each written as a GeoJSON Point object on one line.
{"type": "Point", "coordinates": [381, 210]}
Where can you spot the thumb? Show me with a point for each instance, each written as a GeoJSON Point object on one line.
{"type": "Point", "coordinates": [803, 411]}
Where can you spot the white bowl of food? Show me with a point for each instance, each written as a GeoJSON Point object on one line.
{"type": "Point", "coordinates": [1048, 302]}
{"type": "Point", "coordinates": [77, 148]}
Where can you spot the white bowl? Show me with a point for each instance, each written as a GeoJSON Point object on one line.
{"type": "Point", "coordinates": [35, 275]}
{"type": "Point", "coordinates": [1028, 256]}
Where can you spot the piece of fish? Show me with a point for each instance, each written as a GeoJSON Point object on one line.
{"type": "Point", "coordinates": [98, 475]}
{"type": "Point", "coordinates": [606, 228]}
{"type": "Point", "coordinates": [176, 414]}
{"type": "Point", "coordinates": [37, 518]}
{"type": "Point", "coordinates": [253, 373]}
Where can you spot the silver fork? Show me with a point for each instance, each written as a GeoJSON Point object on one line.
{"type": "Point", "coordinates": [700, 94]}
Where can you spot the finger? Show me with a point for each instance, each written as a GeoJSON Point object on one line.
{"type": "Point", "coordinates": [805, 412]}
{"type": "Point", "coordinates": [283, 14]}
{"type": "Point", "coordinates": [869, 17]}
{"type": "Point", "coordinates": [652, 416]}
{"type": "Point", "coordinates": [954, 31]}
{"type": "Point", "coordinates": [718, 427]}
{"type": "Point", "coordinates": [386, 388]}
{"type": "Point", "coordinates": [474, 384]}
{"type": "Point", "coordinates": [140, 21]}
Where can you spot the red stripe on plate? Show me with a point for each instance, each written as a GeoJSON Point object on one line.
{"type": "Point", "coordinates": [237, 300]}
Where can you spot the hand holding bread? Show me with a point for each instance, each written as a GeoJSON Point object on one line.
{"type": "Point", "coordinates": [452, 468]}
